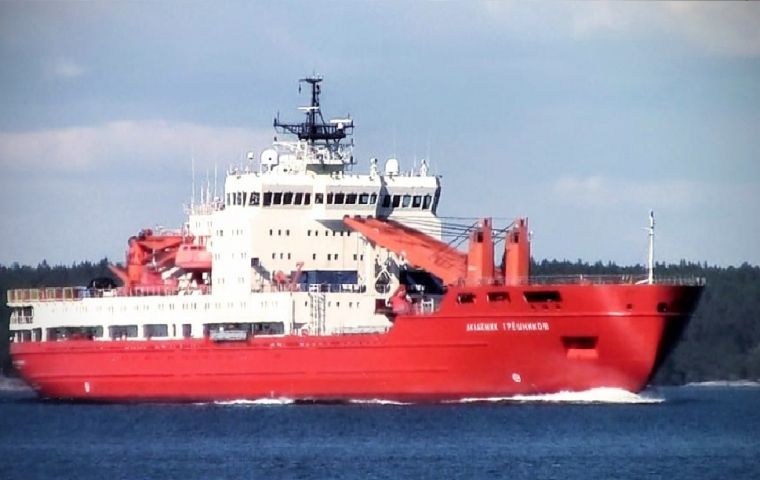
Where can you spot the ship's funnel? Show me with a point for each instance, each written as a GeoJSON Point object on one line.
{"type": "Point", "coordinates": [517, 254]}
{"type": "Point", "coordinates": [480, 254]}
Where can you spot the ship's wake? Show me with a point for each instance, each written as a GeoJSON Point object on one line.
{"type": "Point", "coordinates": [592, 396]}
{"type": "Point", "coordinates": [377, 401]}
{"type": "Point", "coordinates": [258, 401]}
{"type": "Point", "coordinates": [603, 395]}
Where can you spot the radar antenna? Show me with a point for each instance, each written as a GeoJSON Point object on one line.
{"type": "Point", "coordinates": [315, 129]}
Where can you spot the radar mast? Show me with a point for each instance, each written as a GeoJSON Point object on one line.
{"type": "Point", "coordinates": [315, 130]}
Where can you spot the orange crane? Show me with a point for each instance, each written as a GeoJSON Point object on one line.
{"type": "Point", "coordinates": [447, 263]}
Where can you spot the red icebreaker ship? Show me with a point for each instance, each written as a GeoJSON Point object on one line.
{"type": "Point", "coordinates": [305, 281]}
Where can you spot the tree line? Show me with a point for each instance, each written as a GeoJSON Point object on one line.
{"type": "Point", "coordinates": [722, 342]}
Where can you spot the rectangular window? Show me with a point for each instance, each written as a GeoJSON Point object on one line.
{"type": "Point", "coordinates": [416, 201]}
{"type": "Point", "coordinates": [267, 198]}
{"type": "Point", "coordinates": [277, 199]}
{"type": "Point", "coordinates": [498, 296]}
{"type": "Point", "coordinates": [287, 198]}
{"type": "Point", "coordinates": [426, 202]}
{"type": "Point", "coordinates": [254, 199]}
{"type": "Point", "coordinates": [350, 199]}
{"type": "Point", "coordinates": [329, 198]}
{"type": "Point", "coordinates": [245, 199]}
{"type": "Point", "coordinates": [122, 331]}
{"type": "Point", "coordinates": [307, 199]}
{"type": "Point", "coordinates": [364, 198]}
{"type": "Point", "coordinates": [228, 199]}
{"type": "Point", "coordinates": [386, 201]}
{"type": "Point", "coordinates": [187, 330]}
{"type": "Point", "coordinates": [581, 343]}
{"type": "Point", "coordinates": [155, 330]}
{"type": "Point", "coordinates": [299, 198]}
{"type": "Point", "coordinates": [406, 201]}
{"type": "Point", "coordinates": [396, 201]}
{"type": "Point", "coordinates": [537, 296]}
{"type": "Point", "coordinates": [339, 198]}
{"type": "Point", "coordinates": [319, 198]}
{"type": "Point", "coordinates": [268, 328]}
{"type": "Point", "coordinates": [373, 199]}
{"type": "Point", "coordinates": [466, 298]}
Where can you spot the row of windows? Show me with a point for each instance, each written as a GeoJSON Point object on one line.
{"type": "Point", "coordinates": [531, 296]}
{"type": "Point", "coordinates": [423, 202]}
{"type": "Point", "coordinates": [286, 256]}
{"type": "Point", "coordinates": [115, 332]}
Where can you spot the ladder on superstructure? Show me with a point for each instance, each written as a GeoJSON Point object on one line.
{"type": "Point", "coordinates": [318, 310]}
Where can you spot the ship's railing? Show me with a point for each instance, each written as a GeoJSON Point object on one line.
{"type": "Point", "coordinates": [314, 288]}
{"type": "Point", "coordinates": [63, 294]}
{"type": "Point", "coordinates": [583, 279]}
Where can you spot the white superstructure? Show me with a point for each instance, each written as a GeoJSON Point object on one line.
{"type": "Point", "coordinates": [282, 261]}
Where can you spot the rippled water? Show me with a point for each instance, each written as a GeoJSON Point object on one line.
{"type": "Point", "coordinates": [686, 432]}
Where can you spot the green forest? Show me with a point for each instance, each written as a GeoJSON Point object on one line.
{"type": "Point", "coordinates": [722, 342]}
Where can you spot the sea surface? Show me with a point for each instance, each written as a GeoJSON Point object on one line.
{"type": "Point", "coordinates": [692, 432]}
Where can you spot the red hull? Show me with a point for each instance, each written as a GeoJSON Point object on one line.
{"type": "Point", "coordinates": [595, 336]}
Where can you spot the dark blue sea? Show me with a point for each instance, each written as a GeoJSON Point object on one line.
{"type": "Point", "coordinates": [674, 433]}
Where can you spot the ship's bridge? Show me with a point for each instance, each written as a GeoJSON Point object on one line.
{"type": "Point", "coordinates": [280, 221]}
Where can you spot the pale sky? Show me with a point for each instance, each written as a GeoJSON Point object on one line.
{"type": "Point", "coordinates": [581, 116]}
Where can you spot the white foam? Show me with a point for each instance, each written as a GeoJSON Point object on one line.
{"type": "Point", "coordinates": [258, 401]}
{"type": "Point", "coordinates": [8, 384]}
{"type": "Point", "coordinates": [725, 383]}
{"type": "Point", "coordinates": [377, 401]}
{"type": "Point", "coordinates": [594, 395]}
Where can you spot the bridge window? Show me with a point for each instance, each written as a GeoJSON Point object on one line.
{"type": "Point", "coordinates": [364, 198]}
{"type": "Point", "coordinates": [287, 198]}
{"type": "Point", "coordinates": [416, 201]}
{"type": "Point", "coordinates": [319, 198]}
{"type": "Point", "coordinates": [406, 201]}
{"type": "Point", "coordinates": [339, 198]}
{"type": "Point", "coordinates": [245, 198]}
{"type": "Point", "coordinates": [373, 198]}
{"type": "Point", "coordinates": [350, 199]}
{"type": "Point", "coordinates": [254, 199]}
{"type": "Point", "coordinates": [187, 330]}
{"type": "Point", "coordinates": [396, 201]}
{"type": "Point", "coordinates": [426, 201]}
{"type": "Point", "coordinates": [277, 199]}
{"type": "Point", "coordinates": [267, 198]}
{"type": "Point", "coordinates": [329, 198]}
{"type": "Point", "coordinates": [307, 199]}
{"type": "Point", "coordinates": [299, 198]}
{"type": "Point", "coordinates": [386, 201]}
